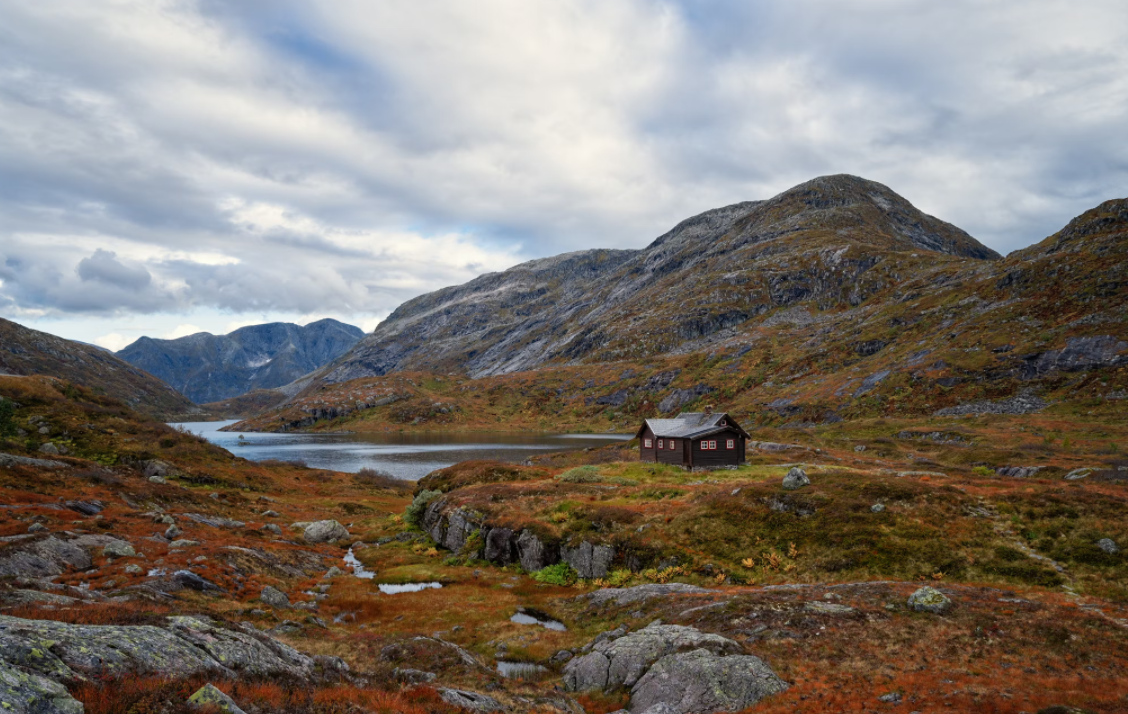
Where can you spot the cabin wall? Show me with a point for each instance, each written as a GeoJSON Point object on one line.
{"type": "Point", "coordinates": [674, 456]}
{"type": "Point", "coordinates": [722, 456]}
{"type": "Point", "coordinates": [644, 453]}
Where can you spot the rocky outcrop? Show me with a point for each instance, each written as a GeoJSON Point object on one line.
{"type": "Point", "coordinates": [1079, 354]}
{"type": "Point", "coordinates": [1023, 403]}
{"type": "Point", "coordinates": [589, 561]}
{"type": "Point", "coordinates": [23, 692]}
{"type": "Point", "coordinates": [35, 556]}
{"type": "Point", "coordinates": [209, 696]}
{"type": "Point", "coordinates": [639, 593]}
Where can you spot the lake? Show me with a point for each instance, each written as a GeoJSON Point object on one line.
{"type": "Point", "coordinates": [404, 455]}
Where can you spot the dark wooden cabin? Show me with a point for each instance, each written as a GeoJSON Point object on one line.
{"type": "Point", "coordinates": [693, 439]}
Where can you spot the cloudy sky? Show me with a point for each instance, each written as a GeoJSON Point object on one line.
{"type": "Point", "coordinates": [171, 166]}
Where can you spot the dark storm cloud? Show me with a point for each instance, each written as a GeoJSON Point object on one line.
{"type": "Point", "coordinates": [315, 156]}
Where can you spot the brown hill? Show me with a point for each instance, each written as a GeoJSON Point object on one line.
{"type": "Point", "coordinates": [24, 352]}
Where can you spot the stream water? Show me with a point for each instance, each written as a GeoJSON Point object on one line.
{"type": "Point", "coordinates": [408, 456]}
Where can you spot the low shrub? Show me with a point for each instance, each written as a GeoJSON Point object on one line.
{"type": "Point", "coordinates": [559, 574]}
{"type": "Point", "coordinates": [581, 474]}
{"type": "Point", "coordinates": [414, 512]}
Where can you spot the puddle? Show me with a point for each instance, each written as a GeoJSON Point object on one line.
{"type": "Point", "coordinates": [521, 670]}
{"type": "Point", "coordinates": [528, 616]}
{"type": "Point", "coordinates": [390, 589]}
{"type": "Point", "coordinates": [357, 566]}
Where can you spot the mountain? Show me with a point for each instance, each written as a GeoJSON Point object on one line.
{"type": "Point", "coordinates": [210, 368]}
{"type": "Point", "coordinates": [25, 352]}
{"type": "Point", "coordinates": [834, 241]}
{"type": "Point", "coordinates": [834, 300]}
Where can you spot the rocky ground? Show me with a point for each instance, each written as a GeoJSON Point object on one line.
{"type": "Point", "coordinates": [976, 564]}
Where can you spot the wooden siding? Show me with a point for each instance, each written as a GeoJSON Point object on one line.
{"type": "Point", "coordinates": [674, 456]}
{"type": "Point", "coordinates": [721, 457]}
{"type": "Point", "coordinates": [644, 453]}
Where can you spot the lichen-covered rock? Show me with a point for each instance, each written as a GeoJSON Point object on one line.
{"type": "Point", "coordinates": [471, 700]}
{"type": "Point", "coordinates": [23, 692]}
{"type": "Point", "coordinates": [929, 599]}
{"type": "Point", "coordinates": [28, 556]}
{"type": "Point", "coordinates": [209, 695]}
{"type": "Point", "coordinates": [621, 662]}
{"type": "Point", "coordinates": [589, 561]}
{"type": "Point", "coordinates": [703, 681]}
{"type": "Point", "coordinates": [534, 554]}
{"type": "Point", "coordinates": [796, 478]}
{"type": "Point", "coordinates": [274, 597]}
{"type": "Point", "coordinates": [118, 549]}
{"type": "Point", "coordinates": [324, 532]}
{"type": "Point", "coordinates": [638, 593]}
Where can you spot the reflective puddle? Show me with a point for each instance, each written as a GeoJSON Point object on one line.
{"type": "Point", "coordinates": [528, 616]}
{"type": "Point", "coordinates": [390, 589]}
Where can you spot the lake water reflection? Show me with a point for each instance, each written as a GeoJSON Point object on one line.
{"type": "Point", "coordinates": [405, 455]}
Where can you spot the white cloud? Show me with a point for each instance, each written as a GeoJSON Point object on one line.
{"type": "Point", "coordinates": [113, 341]}
{"type": "Point", "coordinates": [182, 330]}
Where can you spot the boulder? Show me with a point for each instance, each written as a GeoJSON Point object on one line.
{"type": "Point", "coordinates": [470, 700]}
{"type": "Point", "coordinates": [534, 554]}
{"type": "Point", "coordinates": [796, 478]}
{"type": "Point", "coordinates": [929, 599]}
{"type": "Point", "coordinates": [29, 557]}
{"type": "Point", "coordinates": [22, 692]}
{"type": "Point", "coordinates": [412, 676]}
{"type": "Point", "coordinates": [49, 449]}
{"type": "Point", "coordinates": [208, 695]}
{"type": "Point", "coordinates": [589, 561]}
{"type": "Point", "coordinates": [36, 528]}
{"type": "Point", "coordinates": [877, 507]}
{"type": "Point", "coordinates": [1078, 474]}
{"type": "Point", "coordinates": [1108, 545]}
{"type": "Point", "coordinates": [703, 681]}
{"type": "Point", "coordinates": [638, 593]}
{"type": "Point", "coordinates": [274, 597]}
{"type": "Point", "coordinates": [501, 546]}
{"type": "Point", "coordinates": [187, 580]}
{"type": "Point", "coordinates": [155, 468]}
{"type": "Point", "coordinates": [119, 549]}
{"type": "Point", "coordinates": [621, 662]}
{"type": "Point", "coordinates": [324, 532]}
{"type": "Point", "coordinates": [173, 532]}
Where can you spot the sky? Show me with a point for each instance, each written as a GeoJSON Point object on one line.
{"type": "Point", "coordinates": [176, 166]}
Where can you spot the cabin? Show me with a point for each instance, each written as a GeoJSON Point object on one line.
{"type": "Point", "coordinates": [693, 440]}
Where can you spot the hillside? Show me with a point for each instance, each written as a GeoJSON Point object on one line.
{"type": "Point", "coordinates": [24, 351]}
{"type": "Point", "coordinates": [211, 368]}
{"type": "Point", "coordinates": [834, 242]}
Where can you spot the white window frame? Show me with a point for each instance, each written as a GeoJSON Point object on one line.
{"type": "Point", "coordinates": [731, 444]}
{"type": "Point", "coordinates": [648, 443]}
{"type": "Point", "coordinates": [660, 446]}
{"type": "Point", "coordinates": [672, 444]}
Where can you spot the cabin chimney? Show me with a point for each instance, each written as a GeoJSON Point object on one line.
{"type": "Point", "coordinates": [709, 409]}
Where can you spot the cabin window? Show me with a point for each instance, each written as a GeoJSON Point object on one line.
{"type": "Point", "coordinates": [673, 444]}
{"type": "Point", "coordinates": [731, 443]}
{"type": "Point", "coordinates": [648, 443]}
{"type": "Point", "coordinates": [660, 444]}
{"type": "Point", "coordinates": [708, 446]}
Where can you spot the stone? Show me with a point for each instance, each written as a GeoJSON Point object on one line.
{"type": "Point", "coordinates": [272, 528]}
{"type": "Point", "coordinates": [639, 593]}
{"type": "Point", "coordinates": [1078, 474]}
{"type": "Point", "coordinates": [333, 572]}
{"type": "Point", "coordinates": [860, 448]}
{"type": "Point", "coordinates": [270, 514]}
{"type": "Point", "coordinates": [1108, 545]}
{"type": "Point", "coordinates": [890, 698]}
{"type": "Point", "coordinates": [412, 676]}
{"type": "Point", "coordinates": [10, 460]}
{"type": "Point", "coordinates": [43, 557]}
{"type": "Point", "coordinates": [23, 692]}
{"type": "Point", "coordinates": [703, 681]}
{"type": "Point", "coordinates": [49, 449]}
{"type": "Point", "coordinates": [186, 579]}
{"type": "Point", "coordinates": [620, 662]}
{"type": "Point", "coordinates": [589, 561]}
{"type": "Point", "coordinates": [183, 543]}
{"type": "Point", "coordinates": [134, 569]}
{"type": "Point", "coordinates": [929, 599]}
{"type": "Point", "coordinates": [274, 597]}
{"type": "Point", "coordinates": [534, 554]}
{"type": "Point", "coordinates": [156, 468]}
{"type": "Point", "coordinates": [796, 478]}
{"type": "Point", "coordinates": [470, 700]}
{"type": "Point", "coordinates": [158, 480]}
{"type": "Point", "coordinates": [326, 531]}
{"type": "Point", "coordinates": [501, 546]}
{"type": "Point", "coordinates": [173, 532]}
{"type": "Point", "coordinates": [1018, 471]}
{"type": "Point", "coordinates": [877, 507]}
{"type": "Point", "coordinates": [119, 549]}
{"type": "Point", "coordinates": [165, 519]}
{"type": "Point", "coordinates": [36, 528]}
{"type": "Point", "coordinates": [209, 695]}
{"type": "Point", "coordinates": [286, 627]}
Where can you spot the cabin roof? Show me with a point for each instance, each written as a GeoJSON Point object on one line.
{"type": "Point", "coordinates": [690, 425]}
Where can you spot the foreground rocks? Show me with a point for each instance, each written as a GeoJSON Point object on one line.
{"type": "Point", "coordinates": [680, 667]}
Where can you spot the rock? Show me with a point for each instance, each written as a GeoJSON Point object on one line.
{"type": "Point", "coordinates": [470, 700]}
{"type": "Point", "coordinates": [796, 478]}
{"type": "Point", "coordinates": [189, 580]}
{"type": "Point", "coordinates": [890, 698]}
{"type": "Point", "coordinates": [870, 382]}
{"type": "Point", "coordinates": [561, 657]}
{"type": "Point", "coordinates": [270, 514]}
{"type": "Point", "coordinates": [626, 596]}
{"type": "Point", "coordinates": [214, 521]}
{"type": "Point", "coordinates": [36, 528]}
{"type": "Point", "coordinates": [678, 398]}
{"type": "Point", "coordinates": [1108, 545]}
{"type": "Point", "coordinates": [86, 508]}
{"type": "Point", "coordinates": [45, 557]}
{"type": "Point", "coordinates": [333, 572]}
{"type": "Point", "coordinates": [157, 468]}
{"type": "Point", "coordinates": [412, 676]}
{"type": "Point", "coordinates": [533, 554]}
{"type": "Point", "coordinates": [49, 449]}
{"type": "Point", "coordinates": [828, 608]}
{"type": "Point", "coordinates": [324, 532]}
{"type": "Point", "coordinates": [183, 647]}
{"type": "Point", "coordinates": [134, 569]}
{"type": "Point", "coordinates": [272, 528]}
{"type": "Point", "coordinates": [1026, 402]}
{"type": "Point", "coordinates": [703, 681]}
{"type": "Point", "coordinates": [329, 663]}
{"type": "Point", "coordinates": [183, 543]}
{"type": "Point", "coordinates": [1078, 474]}
{"type": "Point", "coordinates": [274, 597]}
{"type": "Point", "coordinates": [1079, 354]}
{"type": "Point", "coordinates": [589, 561]}
{"type": "Point", "coordinates": [158, 479]}
{"type": "Point", "coordinates": [501, 546]}
{"type": "Point", "coordinates": [286, 627]}
{"type": "Point", "coordinates": [10, 460]}
{"type": "Point", "coordinates": [620, 662]}
{"type": "Point", "coordinates": [208, 695]}
{"type": "Point", "coordinates": [1018, 471]}
{"type": "Point", "coordinates": [173, 532]}
{"type": "Point", "coordinates": [929, 599]}
{"type": "Point", "coordinates": [860, 447]}
{"type": "Point", "coordinates": [877, 507]}
{"type": "Point", "coordinates": [165, 519]}
{"type": "Point", "coordinates": [119, 549]}
{"type": "Point", "coordinates": [23, 692]}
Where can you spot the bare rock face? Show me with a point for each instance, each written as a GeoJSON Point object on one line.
{"type": "Point", "coordinates": [22, 692]}
{"type": "Point", "coordinates": [209, 695]}
{"type": "Point", "coordinates": [589, 561]}
{"type": "Point", "coordinates": [274, 597]}
{"type": "Point", "coordinates": [534, 554]}
{"type": "Point", "coordinates": [324, 532]}
{"type": "Point", "coordinates": [29, 557]}
{"type": "Point", "coordinates": [701, 681]}
{"type": "Point", "coordinates": [472, 701]}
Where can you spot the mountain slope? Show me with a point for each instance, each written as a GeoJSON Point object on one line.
{"type": "Point", "coordinates": [24, 352]}
{"type": "Point", "coordinates": [832, 240]}
{"type": "Point", "coordinates": [210, 368]}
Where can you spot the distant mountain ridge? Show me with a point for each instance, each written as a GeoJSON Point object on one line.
{"type": "Point", "coordinates": [25, 352]}
{"type": "Point", "coordinates": [834, 240]}
{"type": "Point", "coordinates": [209, 368]}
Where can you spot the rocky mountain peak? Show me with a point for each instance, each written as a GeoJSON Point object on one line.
{"type": "Point", "coordinates": [1108, 223]}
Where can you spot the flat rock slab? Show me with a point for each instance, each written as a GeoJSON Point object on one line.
{"type": "Point", "coordinates": [702, 681]}
{"type": "Point", "coordinates": [626, 596]}
{"type": "Point", "coordinates": [26, 693]}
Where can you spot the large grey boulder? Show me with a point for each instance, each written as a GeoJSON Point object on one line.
{"type": "Point", "coordinates": [796, 478]}
{"type": "Point", "coordinates": [185, 646]}
{"type": "Point", "coordinates": [324, 532]}
{"type": "Point", "coordinates": [118, 549]}
{"type": "Point", "coordinates": [22, 692]}
{"type": "Point", "coordinates": [32, 557]}
{"type": "Point", "coordinates": [274, 597]}
{"type": "Point", "coordinates": [621, 662]}
{"type": "Point", "coordinates": [702, 681]}
{"type": "Point", "coordinates": [209, 695]}
{"type": "Point", "coordinates": [929, 599]}
{"type": "Point", "coordinates": [589, 561]}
